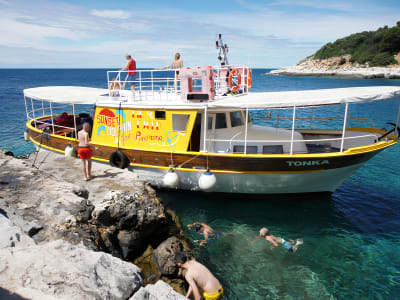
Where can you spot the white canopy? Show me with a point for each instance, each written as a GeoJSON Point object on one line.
{"type": "Point", "coordinates": [66, 94]}
{"type": "Point", "coordinates": [308, 97]}
{"type": "Point", "coordinates": [86, 95]}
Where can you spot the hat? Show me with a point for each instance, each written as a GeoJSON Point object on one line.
{"type": "Point", "coordinates": [128, 55]}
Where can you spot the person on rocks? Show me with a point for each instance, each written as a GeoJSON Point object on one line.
{"type": "Point", "coordinates": [291, 245]}
{"type": "Point", "coordinates": [207, 231]}
{"type": "Point", "coordinates": [131, 76]}
{"type": "Point", "coordinates": [199, 277]}
{"type": "Point", "coordinates": [85, 153]}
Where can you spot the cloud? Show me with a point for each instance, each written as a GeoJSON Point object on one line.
{"type": "Point", "coordinates": [274, 34]}
{"type": "Point", "coordinates": [111, 14]}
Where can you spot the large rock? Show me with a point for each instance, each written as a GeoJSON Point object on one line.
{"type": "Point", "coordinates": [64, 271]}
{"type": "Point", "coordinates": [157, 291]}
{"type": "Point", "coordinates": [165, 256]}
{"type": "Point", "coordinates": [128, 222]}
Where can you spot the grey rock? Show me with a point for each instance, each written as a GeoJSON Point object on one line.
{"type": "Point", "coordinates": [129, 222]}
{"type": "Point", "coordinates": [164, 256]}
{"type": "Point", "coordinates": [64, 271]}
{"type": "Point", "coordinates": [11, 235]}
{"type": "Point", "coordinates": [80, 191]}
{"type": "Point", "coordinates": [157, 291]}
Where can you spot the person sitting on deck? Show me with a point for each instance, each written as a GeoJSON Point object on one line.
{"type": "Point", "coordinates": [291, 245]}
{"type": "Point", "coordinates": [204, 229]}
{"type": "Point", "coordinates": [85, 153]}
{"type": "Point", "coordinates": [198, 276]}
{"type": "Point", "coordinates": [114, 87]}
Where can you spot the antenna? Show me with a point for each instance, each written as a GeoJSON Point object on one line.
{"type": "Point", "coordinates": [223, 51]}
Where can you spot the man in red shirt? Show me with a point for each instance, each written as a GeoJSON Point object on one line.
{"type": "Point", "coordinates": [130, 78]}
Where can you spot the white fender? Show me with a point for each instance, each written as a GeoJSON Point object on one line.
{"type": "Point", "coordinates": [207, 181]}
{"type": "Point", "coordinates": [26, 135]}
{"type": "Point", "coordinates": [69, 151]}
{"type": "Point", "coordinates": [171, 179]}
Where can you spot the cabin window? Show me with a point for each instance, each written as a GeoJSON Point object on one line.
{"type": "Point", "coordinates": [220, 121]}
{"type": "Point", "coordinates": [160, 114]}
{"type": "Point", "coordinates": [236, 119]}
{"type": "Point", "coordinates": [179, 122]}
{"type": "Point", "coordinates": [249, 149]}
{"type": "Point", "coordinates": [275, 149]}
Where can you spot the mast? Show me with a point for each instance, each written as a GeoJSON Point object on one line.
{"type": "Point", "coordinates": [223, 51]}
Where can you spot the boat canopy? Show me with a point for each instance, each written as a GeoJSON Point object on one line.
{"type": "Point", "coordinates": [309, 97]}
{"type": "Point", "coordinates": [66, 94]}
{"type": "Point", "coordinates": [285, 99]}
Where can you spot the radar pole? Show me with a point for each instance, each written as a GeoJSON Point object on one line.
{"type": "Point", "coordinates": [223, 51]}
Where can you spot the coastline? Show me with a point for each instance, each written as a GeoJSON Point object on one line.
{"type": "Point", "coordinates": [331, 68]}
{"type": "Point", "coordinates": [64, 237]}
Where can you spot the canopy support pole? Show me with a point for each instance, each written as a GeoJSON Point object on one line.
{"type": "Point", "coordinates": [293, 126]}
{"type": "Point", "coordinates": [245, 134]}
{"type": "Point", "coordinates": [277, 122]}
{"type": "Point", "coordinates": [33, 112]}
{"type": "Point", "coordinates": [51, 115]}
{"type": "Point", "coordinates": [205, 130]}
{"type": "Point", "coordinates": [73, 113]}
{"type": "Point", "coordinates": [26, 109]}
{"type": "Point", "coordinates": [346, 115]}
{"type": "Point", "coordinates": [312, 115]}
{"type": "Point", "coordinates": [397, 122]}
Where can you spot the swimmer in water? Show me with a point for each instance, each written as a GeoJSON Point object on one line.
{"type": "Point", "coordinates": [291, 245]}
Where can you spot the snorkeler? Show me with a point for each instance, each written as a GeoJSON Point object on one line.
{"type": "Point", "coordinates": [206, 230]}
{"type": "Point", "coordinates": [291, 245]}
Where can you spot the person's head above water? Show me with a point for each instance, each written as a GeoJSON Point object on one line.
{"type": "Point", "coordinates": [198, 227]}
{"type": "Point", "coordinates": [264, 231]}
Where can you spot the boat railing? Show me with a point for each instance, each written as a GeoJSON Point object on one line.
{"type": "Point", "coordinates": [165, 84]}
{"type": "Point", "coordinates": [278, 119]}
{"type": "Point", "coordinates": [44, 117]}
{"type": "Point", "coordinates": [249, 142]}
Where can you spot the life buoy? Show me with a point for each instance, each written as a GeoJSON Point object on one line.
{"type": "Point", "coordinates": [119, 159]}
{"type": "Point", "coordinates": [249, 79]}
{"type": "Point", "coordinates": [239, 80]}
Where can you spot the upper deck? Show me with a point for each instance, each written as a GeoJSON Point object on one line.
{"type": "Point", "coordinates": [214, 88]}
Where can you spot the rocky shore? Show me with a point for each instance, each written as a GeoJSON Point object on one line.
{"type": "Point", "coordinates": [337, 67]}
{"type": "Point", "coordinates": [64, 238]}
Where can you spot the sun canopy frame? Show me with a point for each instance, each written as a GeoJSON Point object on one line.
{"type": "Point", "coordinates": [285, 99]}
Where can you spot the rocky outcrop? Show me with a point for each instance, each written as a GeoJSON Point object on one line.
{"type": "Point", "coordinates": [337, 67]}
{"type": "Point", "coordinates": [54, 233]}
{"type": "Point", "coordinates": [157, 291]}
{"type": "Point", "coordinates": [62, 270]}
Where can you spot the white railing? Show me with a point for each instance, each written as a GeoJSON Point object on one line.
{"type": "Point", "coordinates": [165, 84]}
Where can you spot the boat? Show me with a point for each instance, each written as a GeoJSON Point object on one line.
{"type": "Point", "coordinates": [204, 130]}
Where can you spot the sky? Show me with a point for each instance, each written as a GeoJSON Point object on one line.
{"type": "Point", "coordinates": [98, 34]}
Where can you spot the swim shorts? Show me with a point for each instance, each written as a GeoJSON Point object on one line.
{"type": "Point", "coordinates": [214, 296]}
{"type": "Point", "coordinates": [130, 80]}
{"type": "Point", "coordinates": [85, 153]}
{"type": "Point", "coordinates": [286, 245]}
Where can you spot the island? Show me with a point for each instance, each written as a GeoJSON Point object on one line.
{"type": "Point", "coordinates": [368, 54]}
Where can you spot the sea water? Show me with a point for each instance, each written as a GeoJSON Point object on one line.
{"type": "Point", "coordinates": [351, 239]}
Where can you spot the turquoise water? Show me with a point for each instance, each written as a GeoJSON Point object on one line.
{"type": "Point", "coordinates": [351, 237]}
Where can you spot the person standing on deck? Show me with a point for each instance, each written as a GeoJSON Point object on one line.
{"type": "Point", "coordinates": [131, 77]}
{"type": "Point", "coordinates": [199, 277]}
{"type": "Point", "coordinates": [85, 153]}
{"type": "Point", "coordinates": [177, 64]}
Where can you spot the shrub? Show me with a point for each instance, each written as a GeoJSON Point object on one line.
{"type": "Point", "coordinates": [342, 61]}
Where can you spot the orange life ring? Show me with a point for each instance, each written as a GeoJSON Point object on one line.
{"type": "Point", "coordinates": [239, 80]}
{"type": "Point", "coordinates": [249, 79]}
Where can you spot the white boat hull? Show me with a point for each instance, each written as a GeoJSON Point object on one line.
{"type": "Point", "coordinates": [264, 183]}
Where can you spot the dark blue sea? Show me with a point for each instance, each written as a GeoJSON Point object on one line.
{"type": "Point", "coordinates": [351, 238]}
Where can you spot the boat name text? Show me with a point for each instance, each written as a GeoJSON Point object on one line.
{"type": "Point", "coordinates": [307, 163]}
